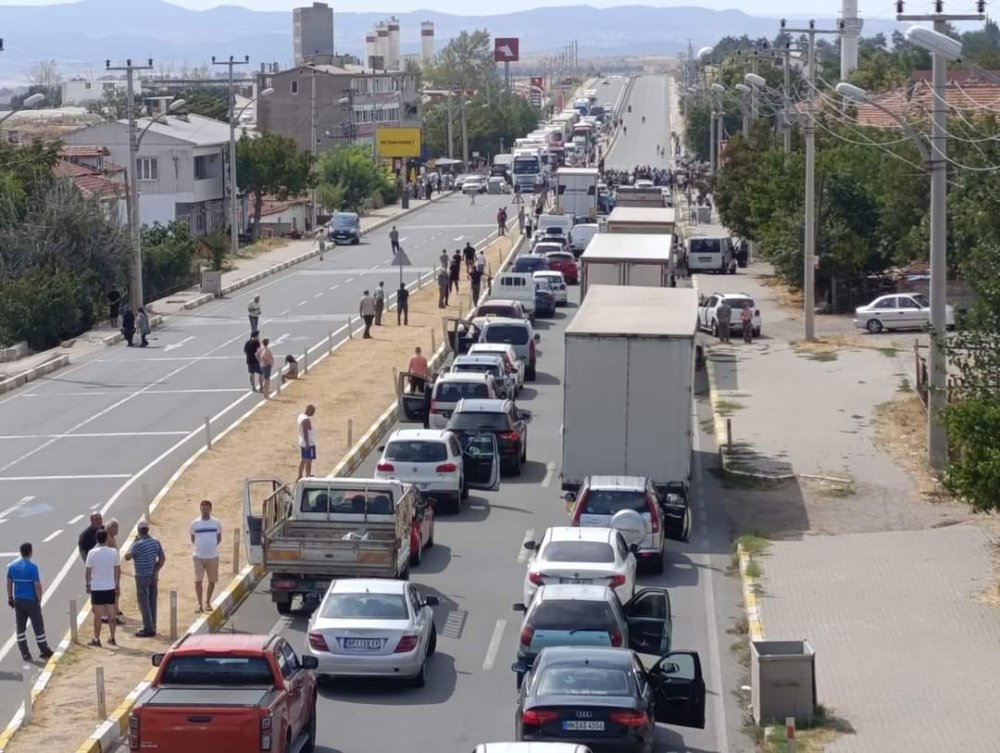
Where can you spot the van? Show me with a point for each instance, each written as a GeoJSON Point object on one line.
{"type": "Point", "coordinates": [454, 386]}
{"type": "Point", "coordinates": [563, 221]}
{"type": "Point", "coordinates": [709, 255]}
{"type": "Point", "coordinates": [516, 286]}
{"type": "Point", "coordinates": [580, 236]}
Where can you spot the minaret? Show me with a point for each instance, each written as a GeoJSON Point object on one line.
{"type": "Point", "coordinates": [849, 38]}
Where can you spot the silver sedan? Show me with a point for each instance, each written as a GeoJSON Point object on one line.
{"type": "Point", "coordinates": [373, 627]}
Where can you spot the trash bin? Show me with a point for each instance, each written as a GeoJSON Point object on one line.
{"type": "Point", "coordinates": [405, 197]}
{"type": "Point", "coordinates": [782, 681]}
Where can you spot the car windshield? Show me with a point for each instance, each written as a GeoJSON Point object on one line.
{"type": "Point", "coordinates": [737, 303]}
{"type": "Point", "coordinates": [578, 551]}
{"type": "Point", "coordinates": [560, 614]}
{"type": "Point", "coordinates": [583, 680]}
{"type": "Point", "coordinates": [921, 299]}
{"type": "Point", "coordinates": [477, 368]}
{"type": "Point", "coordinates": [507, 333]}
{"type": "Point", "coordinates": [525, 264]}
{"type": "Point", "coordinates": [365, 606]}
{"type": "Point", "coordinates": [416, 451]}
{"type": "Point", "coordinates": [217, 670]}
{"type": "Point", "coordinates": [452, 392]}
{"type": "Point", "coordinates": [611, 501]}
{"type": "Point", "coordinates": [471, 421]}
{"type": "Point", "coordinates": [493, 309]}
{"type": "Point", "coordinates": [344, 220]}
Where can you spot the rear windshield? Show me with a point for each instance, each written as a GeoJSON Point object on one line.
{"type": "Point", "coordinates": [452, 392]}
{"type": "Point", "coordinates": [217, 670]}
{"type": "Point", "coordinates": [416, 452]}
{"type": "Point", "coordinates": [737, 303]}
{"type": "Point", "coordinates": [526, 264]}
{"type": "Point", "coordinates": [505, 310]}
{"type": "Point", "coordinates": [559, 256]}
{"type": "Point", "coordinates": [507, 333]}
{"type": "Point", "coordinates": [578, 551]}
{"type": "Point", "coordinates": [472, 421]}
{"type": "Point", "coordinates": [347, 501]}
{"type": "Point", "coordinates": [610, 501]}
{"type": "Point", "coordinates": [706, 246]}
{"type": "Point", "coordinates": [365, 607]}
{"type": "Point", "coordinates": [572, 615]}
{"type": "Point", "coordinates": [477, 368]}
{"type": "Point", "coordinates": [583, 680]}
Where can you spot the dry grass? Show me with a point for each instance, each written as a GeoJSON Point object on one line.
{"type": "Point", "coordinates": [901, 427]}
{"type": "Point", "coordinates": [843, 342]}
{"type": "Point", "coordinates": [786, 296]}
{"type": "Point", "coordinates": [356, 383]}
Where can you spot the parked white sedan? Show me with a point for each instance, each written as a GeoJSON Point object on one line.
{"type": "Point", "coordinates": [898, 311]}
{"type": "Point", "coordinates": [590, 556]}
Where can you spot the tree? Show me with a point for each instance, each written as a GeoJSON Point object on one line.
{"type": "Point", "coordinates": [270, 164]}
{"type": "Point", "coordinates": [348, 176]}
{"type": "Point", "coordinates": [465, 62]}
{"type": "Point", "coordinates": [43, 78]}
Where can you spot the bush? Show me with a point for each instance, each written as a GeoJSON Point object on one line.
{"type": "Point", "coordinates": [44, 308]}
{"type": "Point", "coordinates": [167, 252]}
{"type": "Point", "coordinates": [389, 191]}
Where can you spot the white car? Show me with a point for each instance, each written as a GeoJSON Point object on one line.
{"type": "Point", "coordinates": [373, 627]}
{"type": "Point", "coordinates": [591, 556]}
{"type": "Point", "coordinates": [898, 311]}
{"type": "Point", "coordinates": [430, 459]}
{"type": "Point", "coordinates": [644, 183]}
{"type": "Point", "coordinates": [708, 317]}
{"type": "Point", "coordinates": [557, 284]}
{"type": "Point", "coordinates": [475, 184]}
{"type": "Point", "coordinates": [488, 363]}
{"type": "Point", "coordinates": [547, 247]}
{"type": "Point", "coordinates": [514, 364]}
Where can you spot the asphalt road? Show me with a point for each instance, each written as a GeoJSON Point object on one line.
{"type": "Point", "coordinates": [638, 145]}
{"type": "Point", "coordinates": [97, 434]}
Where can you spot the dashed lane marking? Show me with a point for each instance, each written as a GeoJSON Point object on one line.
{"type": "Point", "coordinates": [494, 646]}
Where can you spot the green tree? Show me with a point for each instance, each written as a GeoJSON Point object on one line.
{"type": "Point", "coordinates": [465, 62]}
{"type": "Point", "coordinates": [271, 164]}
{"type": "Point", "coordinates": [350, 175]}
{"type": "Point", "coordinates": [167, 256]}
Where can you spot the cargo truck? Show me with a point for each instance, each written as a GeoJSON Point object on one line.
{"type": "Point", "coordinates": [626, 259]}
{"type": "Point", "coordinates": [577, 191]}
{"type": "Point", "coordinates": [632, 196]}
{"type": "Point", "coordinates": [658, 220]}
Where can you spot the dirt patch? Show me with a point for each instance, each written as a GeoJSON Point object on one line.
{"type": "Point", "coordinates": [845, 342]}
{"type": "Point", "coordinates": [901, 427]}
{"type": "Point", "coordinates": [786, 296]}
{"type": "Point", "coordinates": [355, 382]}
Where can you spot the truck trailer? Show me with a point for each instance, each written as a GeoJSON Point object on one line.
{"type": "Point", "coordinates": [577, 191]}
{"type": "Point", "coordinates": [627, 259]}
{"type": "Point", "coordinates": [658, 220]}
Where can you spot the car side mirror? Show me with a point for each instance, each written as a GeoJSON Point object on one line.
{"type": "Point", "coordinates": [569, 496]}
{"type": "Point", "coordinates": [538, 337]}
{"type": "Point", "coordinates": [520, 607]}
{"type": "Point", "coordinates": [431, 601]}
{"type": "Point", "coordinates": [520, 667]}
{"type": "Point", "coordinates": [634, 548]}
{"type": "Point", "coordinates": [524, 415]}
{"type": "Point", "coordinates": [157, 659]}
{"type": "Point", "coordinates": [530, 545]}
{"type": "Point", "coordinates": [309, 662]}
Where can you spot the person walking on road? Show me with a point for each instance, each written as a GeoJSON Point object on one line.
{"type": "Point", "coordinates": [307, 440]}
{"type": "Point", "coordinates": [475, 280]}
{"type": "Point", "coordinates": [500, 222]}
{"type": "Point", "coordinates": [442, 283]}
{"type": "Point", "coordinates": [142, 326]}
{"type": "Point", "coordinates": [103, 574]}
{"type": "Point", "coordinates": [454, 270]}
{"type": "Point", "coordinates": [469, 254]}
{"type": "Point", "coordinates": [206, 535]}
{"type": "Point", "coordinates": [265, 357]}
{"type": "Point", "coordinates": [379, 303]}
{"type": "Point", "coordinates": [394, 240]}
{"type": "Point", "coordinates": [366, 309]}
{"type": "Point", "coordinates": [250, 348]}
{"type": "Point", "coordinates": [520, 219]}
{"type": "Point", "coordinates": [88, 537]}
{"type": "Point", "coordinates": [147, 554]}
{"type": "Point", "coordinates": [128, 326]}
{"type": "Point", "coordinates": [746, 319]}
{"type": "Point", "coordinates": [114, 305]}
{"type": "Point", "coordinates": [253, 313]}
{"type": "Point", "coordinates": [24, 596]}
{"type": "Point", "coordinates": [443, 258]}
{"type": "Point", "coordinates": [723, 317]}
{"type": "Point", "coordinates": [420, 370]}
{"type": "Point", "coordinates": [403, 305]}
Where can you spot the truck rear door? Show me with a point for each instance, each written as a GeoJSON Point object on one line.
{"type": "Point", "coordinates": [184, 719]}
{"type": "Point", "coordinates": [256, 495]}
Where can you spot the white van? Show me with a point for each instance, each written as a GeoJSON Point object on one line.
{"type": "Point", "coordinates": [709, 255]}
{"type": "Point", "coordinates": [563, 221]}
{"type": "Point", "coordinates": [516, 286]}
{"type": "Point", "coordinates": [580, 236]}
{"type": "Point", "coordinates": [453, 386]}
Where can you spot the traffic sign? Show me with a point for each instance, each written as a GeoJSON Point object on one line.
{"type": "Point", "coordinates": [506, 49]}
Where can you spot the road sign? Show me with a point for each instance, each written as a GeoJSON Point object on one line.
{"type": "Point", "coordinates": [506, 49]}
{"type": "Point", "coordinates": [400, 259]}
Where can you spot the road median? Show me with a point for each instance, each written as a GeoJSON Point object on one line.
{"type": "Point", "coordinates": [350, 383]}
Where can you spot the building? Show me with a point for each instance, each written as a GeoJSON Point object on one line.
{"type": "Point", "coordinates": [283, 217]}
{"type": "Point", "coordinates": [96, 177]}
{"type": "Point", "coordinates": [86, 91]}
{"type": "Point", "coordinates": [969, 96]}
{"type": "Point", "coordinates": [426, 42]}
{"type": "Point", "coordinates": [350, 102]}
{"type": "Point", "coordinates": [181, 164]}
{"type": "Point", "coordinates": [312, 32]}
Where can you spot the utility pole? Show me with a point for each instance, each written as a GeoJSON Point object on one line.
{"type": "Point", "coordinates": [754, 91]}
{"type": "Point", "coordinates": [786, 95]}
{"type": "Point", "coordinates": [234, 208]}
{"type": "Point", "coordinates": [809, 133]}
{"type": "Point", "coordinates": [135, 294]}
{"type": "Point", "coordinates": [465, 134]}
{"type": "Point", "coordinates": [451, 135]}
{"type": "Point", "coordinates": [313, 141]}
{"type": "Point", "coordinates": [937, 368]}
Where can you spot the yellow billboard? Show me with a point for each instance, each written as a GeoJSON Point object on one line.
{"type": "Point", "coordinates": [397, 142]}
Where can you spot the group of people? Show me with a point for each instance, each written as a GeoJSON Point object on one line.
{"type": "Point", "coordinates": [260, 357]}
{"type": "Point", "coordinates": [724, 314]}
{"type": "Point", "coordinates": [130, 322]}
{"type": "Point", "coordinates": [450, 271]}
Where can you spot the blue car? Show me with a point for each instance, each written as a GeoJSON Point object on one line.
{"type": "Point", "coordinates": [531, 264]}
{"type": "Point", "coordinates": [545, 300]}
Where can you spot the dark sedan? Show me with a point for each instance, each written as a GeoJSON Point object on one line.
{"type": "Point", "coordinates": [605, 698]}
{"type": "Point", "coordinates": [530, 264]}
{"type": "Point", "coordinates": [345, 227]}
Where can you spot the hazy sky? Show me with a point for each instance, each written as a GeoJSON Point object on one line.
{"type": "Point", "coordinates": [875, 9]}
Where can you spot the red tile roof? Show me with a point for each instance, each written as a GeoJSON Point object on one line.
{"type": "Point", "coordinates": [75, 150]}
{"type": "Point", "coordinates": [914, 103]}
{"type": "Point", "coordinates": [273, 206]}
{"type": "Point", "coordinates": [99, 187]}
{"type": "Point", "coordinates": [65, 169]}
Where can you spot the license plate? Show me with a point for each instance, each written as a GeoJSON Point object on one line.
{"type": "Point", "coordinates": [574, 580]}
{"type": "Point", "coordinates": [705, 258]}
{"type": "Point", "coordinates": [575, 726]}
{"type": "Point", "coordinates": [362, 644]}
{"type": "Point", "coordinates": [423, 487]}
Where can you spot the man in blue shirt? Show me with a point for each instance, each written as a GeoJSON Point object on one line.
{"type": "Point", "coordinates": [147, 554]}
{"type": "Point", "coordinates": [24, 595]}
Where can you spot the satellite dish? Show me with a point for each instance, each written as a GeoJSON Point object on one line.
{"type": "Point", "coordinates": [630, 525]}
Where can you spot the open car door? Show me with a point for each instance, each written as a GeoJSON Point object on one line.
{"type": "Point", "coordinates": [676, 511]}
{"type": "Point", "coordinates": [255, 492]}
{"type": "Point", "coordinates": [481, 461]}
{"type": "Point", "coordinates": [650, 626]}
{"type": "Point", "coordinates": [410, 398]}
{"type": "Point", "coordinates": [679, 689]}
{"type": "Point", "coordinates": [459, 334]}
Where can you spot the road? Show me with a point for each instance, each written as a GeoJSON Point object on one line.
{"type": "Point", "coordinates": [638, 146]}
{"type": "Point", "coordinates": [476, 569]}
{"type": "Point", "coordinates": [97, 434]}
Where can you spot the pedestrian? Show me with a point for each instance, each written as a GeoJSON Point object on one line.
{"type": "Point", "coordinates": [419, 370]}
{"type": "Point", "coordinates": [291, 369]}
{"type": "Point", "coordinates": [250, 348]}
{"type": "Point", "coordinates": [253, 313]}
{"type": "Point", "coordinates": [503, 220]}
{"type": "Point", "coordinates": [403, 305]}
{"type": "Point", "coordinates": [454, 270]}
{"type": "Point", "coordinates": [366, 309]}
{"type": "Point", "coordinates": [520, 219]}
{"type": "Point", "coordinates": [428, 396]}
{"type": "Point", "coordinates": [443, 259]}
{"type": "Point", "coordinates": [128, 326]}
{"type": "Point", "coordinates": [147, 554]}
{"type": "Point", "coordinates": [746, 319]}
{"type": "Point", "coordinates": [265, 358]}
{"type": "Point", "coordinates": [379, 302]}
{"type": "Point", "coordinates": [114, 304]}
{"type": "Point", "coordinates": [206, 535]}
{"type": "Point", "coordinates": [472, 197]}
{"type": "Point", "coordinates": [322, 248]}
{"type": "Point", "coordinates": [442, 283]}
{"type": "Point", "coordinates": [469, 254]}
{"type": "Point", "coordinates": [307, 440]}
{"type": "Point", "coordinates": [142, 326]}
{"type": "Point", "coordinates": [500, 222]}
{"type": "Point", "coordinates": [475, 280]}
{"type": "Point", "coordinates": [723, 316]}
{"type": "Point", "coordinates": [481, 261]}
{"type": "Point", "coordinates": [112, 527]}
{"type": "Point", "coordinates": [394, 240]}
{"type": "Point", "coordinates": [527, 228]}
{"type": "Point", "coordinates": [24, 596]}
{"type": "Point", "coordinates": [88, 537]}
{"type": "Point", "coordinates": [103, 578]}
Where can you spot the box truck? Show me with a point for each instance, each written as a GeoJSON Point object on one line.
{"type": "Point", "coordinates": [627, 259]}
{"type": "Point", "coordinates": [577, 191]}
{"type": "Point", "coordinates": [642, 220]}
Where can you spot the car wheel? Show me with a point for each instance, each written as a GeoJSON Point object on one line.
{"type": "Point", "coordinates": [656, 567]}
{"type": "Point", "coordinates": [874, 326]}
{"type": "Point", "coordinates": [456, 504]}
{"type": "Point", "coordinates": [421, 679]}
{"type": "Point", "coordinates": [524, 453]}
{"type": "Point", "coordinates": [356, 241]}
{"type": "Point", "coordinates": [284, 607]}
{"type": "Point", "coordinates": [432, 644]}
{"type": "Point", "coordinates": [529, 374]}
{"type": "Point", "coordinates": [430, 539]}
{"type": "Point", "coordinates": [715, 328]}
{"type": "Point", "coordinates": [515, 469]}
{"type": "Point", "coordinates": [416, 557]}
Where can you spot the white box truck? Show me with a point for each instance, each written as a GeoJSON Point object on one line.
{"type": "Point", "coordinates": [577, 191]}
{"type": "Point", "coordinates": [627, 259]}
{"type": "Point", "coordinates": [642, 220]}
{"type": "Point", "coordinates": [628, 386]}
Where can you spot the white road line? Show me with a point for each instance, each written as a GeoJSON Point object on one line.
{"type": "Point", "coordinates": [282, 313]}
{"type": "Point", "coordinates": [189, 360]}
{"type": "Point", "coordinates": [403, 238]}
{"type": "Point", "coordinates": [301, 303]}
{"type": "Point", "coordinates": [318, 295]}
{"type": "Point", "coordinates": [522, 553]}
{"type": "Point", "coordinates": [458, 238]}
{"type": "Point", "coordinates": [15, 507]}
{"type": "Point", "coordinates": [206, 390]}
{"type": "Point", "coordinates": [281, 339]}
{"type": "Point", "coordinates": [85, 477]}
{"type": "Point", "coordinates": [349, 279]}
{"type": "Point", "coordinates": [75, 519]}
{"type": "Point", "coordinates": [549, 470]}
{"type": "Point", "coordinates": [98, 435]}
{"type": "Point", "coordinates": [280, 625]}
{"type": "Point", "coordinates": [179, 343]}
{"type": "Point", "coordinates": [334, 287]}
{"type": "Point", "coordinates": [51, 536]}
{"type": "Point", "coordinates": [10, 554]}
{"type": "Point", "coordinates": [494, 647]}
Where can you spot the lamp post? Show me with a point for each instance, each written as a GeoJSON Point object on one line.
{"type": "Point", "coordinates": [745, 92]}
{"type": "Point", "coordinates": [29, 102]}
{"type": "Point", "coordinates": [234, 207]}
{"type": "Point", "coordinates": [718, 117]}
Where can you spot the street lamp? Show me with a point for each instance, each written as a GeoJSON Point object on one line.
{"type": "Point", "coordinates": [35, 99]}
{"type": "Point", "coordinates": [745, 92]}
{"type": "Point", "coordinates": [234, 209]}
{"type": "Point", "coordinates": [715, 126]}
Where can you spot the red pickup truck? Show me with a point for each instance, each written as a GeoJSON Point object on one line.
{"type": "Point", "coordinates": [226, 692]}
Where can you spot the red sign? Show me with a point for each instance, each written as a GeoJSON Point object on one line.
{"type": "Point", "coordinates": [537, 82]}
{"type": "Point", "coordinates": [506, 49]}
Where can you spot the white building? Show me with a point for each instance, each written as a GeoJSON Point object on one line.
{"type": "Point", "coordinates": [88, 91]}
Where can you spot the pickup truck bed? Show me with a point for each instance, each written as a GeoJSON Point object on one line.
{"type": "Point", "coordinates": [216, 697]}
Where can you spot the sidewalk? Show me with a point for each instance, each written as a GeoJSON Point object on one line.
{"type": "Point", "coordinates": [243, 271]}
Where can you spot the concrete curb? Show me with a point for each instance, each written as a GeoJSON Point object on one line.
{"type": "Point", "coordinates": [14, 352]}
{"type": "Point", "coordinates": [30, 375]}
{"type": "Point", "coordinates": [755, 625]}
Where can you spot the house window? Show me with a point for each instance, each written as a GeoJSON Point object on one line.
{"type": "Point", "coordinates": [86, 85]}
{"type": "Point", "coordinates": [146, 168]}
{"type": "Point", "coordinates": [203, 167]}
{"type": "Point", "coordinates": [295, 87]}
{"type": "Point", "coordinates": [108, 87]}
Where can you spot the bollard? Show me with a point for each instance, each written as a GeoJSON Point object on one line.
{"type": "Point", "coordinates": [173, 615]}
{"type": "Point", "coordinates": [729, 434]}
{"type": "Point", "coordinates": [330, 351]}
{"type": "Point", "coordinates": [395, 377]}
{"type": "Point", "coordinates": [433, 343]}
{"type": "Point", "coordinates": [102, 709]}
{"type": "Point", "coordinates": [236, 552]}
{"type": "Point", "coordinates": [305, 362]}
{"type": "Point", "coordinates": [74, 628]}
{"type": "Point", "coordinates": [350, 333]}
{"type": "Point", "coordinates": [208, 432]}
{"type": "Point", "coordinates": [790, 733]}
{"type": "Point", "coordinates": [350, 433]}
{"type": "Point", "coordinates": [29, 710]}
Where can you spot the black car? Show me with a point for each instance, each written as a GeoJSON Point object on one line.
{"type": "Point", "coordinates": [345, 227]}
{"type": "Point", "coordinates": [604, 698]}
{"type": "Point", "coordinates": [530, 264]}
{"type": "Point", "coordinates": [502, 418]}
{"type": "Point", "coordinates": [545, 301]}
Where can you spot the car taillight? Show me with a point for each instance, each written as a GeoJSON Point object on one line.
{"type": "Point", "coordinates": [536, 578]}
{"type": "Point", "coordinates": [133, 732]}
{"type": "Point", "coordinates": [509, 436]}
{"type": "Point", "coordinates": [283, 584]}
{"type": "Point", "coordinates": [317, 642]}
{"type": "Point", "coordinates": [537, 717]}
{"type": "Point", "coordinates": [527, 633]}
{"type": "Point", "coordinates": [531, 349]}
{"type": "Point", "coordinates": [616, 637]}
{"type": "Point", "coordinates": [654, 515]}
{"type": "Point", "coordinates": [266, 727]}
{"type": "Point", "coordinates": [629, 718]}
{"type": "Point", "coordinates": [385, 467]}
{"type": "Point", "coordinates": [406, 644]}
{"type": "Point", "coordinates": [616, 580]}
{"type": "Point", "coordinates": [446, 468]}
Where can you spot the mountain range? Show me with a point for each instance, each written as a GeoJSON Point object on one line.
{"type": "Point", "coordinates": [80, 36]}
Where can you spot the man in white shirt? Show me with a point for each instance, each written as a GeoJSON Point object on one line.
{"type": "Point", "coordinates": [307, 440]}
{"type": "Point", "coordinates": [206, 535]}
{"type": "Point", "coordinates": [103, 572]}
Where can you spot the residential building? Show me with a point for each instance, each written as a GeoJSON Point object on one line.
{"type": "Point", "coordinates": [350, 103]}
{"type": "Point", "coordinates": [181, 166]}
{"type": "Point", "coordinates": [82, 91]}
{"type": "Point", "coordinates": [312, 32]}
{"type": "Point", "coordinates": [95, 176]}
{"type": "Point", "coordinates": [283, 217]}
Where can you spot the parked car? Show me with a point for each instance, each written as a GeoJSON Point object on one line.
{"type": "Point", "coordinates": [515, 366]}
{"type": "Point", "coordinates": [544, 247]}
{"type": "Point", "coordinates": [488, 363]}
{"type": "Point", "coordinates": [496, 184]}
{"type": "Point", "coordinates": [344, 227]}
{"type": "Point", "coordinates": [430, 459]}
{"type": "Point", "coordinates": [501, 418]}
{"type": "Point", "coordinates": [581, 235]}
{"type": "Point", "coordinates": [502, 307]}
{"type": "Point", "coordinates": [564, 262]}
{"type": "Point", "coordinates": [545, 299]}
{"type": "Point", "coordinates": [592, 556]}
{"type": "Point", "coordinates": [708, 317]}
{"type": "Point", "coordinates": [517, 333]}
{"type": "Point", "coordinates": [556, 283]}
{"type": "Point", "coordinates": [450, 388]}
{"type": "Point", "coordinates": [898, 311]}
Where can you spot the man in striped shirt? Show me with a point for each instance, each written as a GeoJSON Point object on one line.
{"type": "Point", "coordinates": [366, 308]}
{"type": "Point", "coordinates": [148, 556]}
